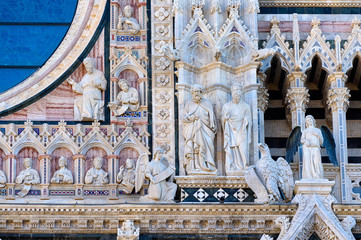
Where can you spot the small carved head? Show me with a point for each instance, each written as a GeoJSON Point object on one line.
{"type": "Point", "coordinates": [63, 162]}
{"type": "Point", "coordinates": [124, 85]}
{"type": "Point", "coordinates": [310, 121]}
{"type": "Point", "coordinates": [158, 153]}
{"type": "Point", "coordinates": [89, 64]}
{"type": "Point", "coordinates": [98, 162]}
{"type": "Point", "coordinates": [129, 163]}
{"type": "Point", "coordinates": [197, 92]}
{"type": "Point", "coordinates": [28, 162]}
{"type": "Point", "coordinates": [236, 92]}
{"type": "Point", "coordinates": [128, 10]}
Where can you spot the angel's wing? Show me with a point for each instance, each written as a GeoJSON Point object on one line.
{"type": "Point", "coordinates": [142, 165]}
{"type": "Point", "coordinates": [286, 176]}
{"type": "Point", "coordinates": [329, 144]}
{"type": "Point", "coordinates": [293, 142]}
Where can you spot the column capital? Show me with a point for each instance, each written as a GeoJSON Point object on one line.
{"type": "Point", "coordinates": [338, 98]}
{"type": "Point", "coordinates": [76, 156]}
{"type": "Point", "coordinates": [47, 156]}
{"type": "Point", "coordinates": [337, 80]}
{"type": "Point", "coordinates": [113, 156]}
{"type": "Point", "coordinates": [297, 97]}
{"type": "Point", "coordinates": [296, 79]}
{"type": "Point", "coordinates": [10, 156]}
{"type": "Point", "coordinates": [262, 98]}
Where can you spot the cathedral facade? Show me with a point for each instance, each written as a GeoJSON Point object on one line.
{"type": "Point", "coordinates": [181, 119]}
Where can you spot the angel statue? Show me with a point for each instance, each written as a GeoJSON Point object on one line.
{"type": "Point", "coordinates": [271, 181]}
{"type": "Point", "coordinates": [311, 139]}
{"type": "Point", "coordinates": [160, 173]}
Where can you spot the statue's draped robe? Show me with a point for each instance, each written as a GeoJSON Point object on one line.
{"type": "Point", "coordinates": [2, 179]}
{"type": "Point", "coordinates": [312, 162]}
{"type": "Point", "coordinates": [96, 176]}
{"type": "Point", "coordinates": [63, 175]}
{"type": "Point", "coordinates": [199, 137]}
{"type": "Point", "coordinates": [163, 191]}
{"type": "Point", "coordinates": [126, 178]}
{"type": "Point", "coordinates": [237, 134]}
{"type": "Point", "coordinates": [89, 105]}
{"type": "Point", "coordinates": [129, 24]}
{"type": "Point", "coordinates": [132, 97]}
{"type": "Point", "coordinates": [28, 176]}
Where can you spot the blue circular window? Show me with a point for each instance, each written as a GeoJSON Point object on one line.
{"type": "Point", "coordinates": [30, 31]}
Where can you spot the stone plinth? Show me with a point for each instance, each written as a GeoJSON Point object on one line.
{"type": "Point", "coordinates": [314, 186]}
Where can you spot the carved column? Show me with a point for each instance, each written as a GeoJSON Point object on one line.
{"type": "Point", "coordinates": [113, 166]}
{"type": "Point", "coordinates": [338, 102]}
{"type": "Point", "coordinates": [45, 163]}
{"type": "Point", "coordinates": [262, 106]}
{"type": "Point", "coordinates": [297, 99]}
{"type": "Point", "coordinates": [79, 175]}
{"type": "Point", "coordinates": [11, 175]}
{"type": "Point", "coordinates": [162, 68]}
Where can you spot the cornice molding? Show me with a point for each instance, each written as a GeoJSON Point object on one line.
{"type": "Point", "coordinates": [310, 3]}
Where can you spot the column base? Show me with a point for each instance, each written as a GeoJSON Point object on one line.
{"type": "Point", "coordinates": [314, 186]}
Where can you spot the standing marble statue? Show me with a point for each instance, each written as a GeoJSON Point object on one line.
{"type": "Point", "coordinates": [127, 98]}
{"type": "Point", "coordinates": [28, 177]}
{"type": "Point", "coordinates": [63, 175]}
{"type": "Point", "coordinates": [96, 175]}
{"type": "Point", "coordinates": [199, 129]}
{"type": "Point", "coordinates": [311, 139]}
{"type": "Point", "coordinates": [89, 105]}
{"type": "Point", "coordinates": [2, 179]}
{"type": "Point", "coordinates": [160, 173]}
{"type": "Point", "coordinates": [127, 22]}
{"type": "Point", "coordinates": [126, 176]}
{"type": "Point", "coordinates": [237, 126]}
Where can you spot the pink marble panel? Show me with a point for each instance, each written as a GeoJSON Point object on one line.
{"type": "Point", "coordinates": [61, 152]}
{"type": "Point", "coordinates": [27, 152]}
{"type": "Point", "coordinates": [305, 27]}
{"type": "Point", "coordinates": [93, 153]}
{"type": "Point", "coordinates": [2, 160]}
{"type": "Point", "coordinates": [128, 153]}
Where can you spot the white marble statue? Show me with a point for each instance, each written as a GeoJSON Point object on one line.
{"type": "Point", "coordinates": [262, 54]}
{"type": "Point", "coordinates": [89, 105]}
{"type": "Point", "coordinates": [96, 175]}
{"type": "Point", "coordinates": [311, 139]}
{"type": "Point", "coordinates": [63, 175]}
{"type": "Point", "coordinates": [199, 129]}
{"type": "Point", "coordinates": [271, 181]}
{"type": "Point", "coordinates": [237, 126]}
{"type": "Point", "coordinates": [160, 173]}
{"type": "Point", "coordinates": [126, 176]}
{"type": "Point", "coordinates": [28, 177]}
{"type": "Point", "coordinates": [128, 98]}
{"type": "Point", "coordinates": [127, 22]}
{"type": "Point", "coordinates": [2, 179]}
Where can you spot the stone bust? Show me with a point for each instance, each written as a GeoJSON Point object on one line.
{"type": "Point", "coordinates": [63, 175]}
{"type": "Point", "coordinates": [96, 175]}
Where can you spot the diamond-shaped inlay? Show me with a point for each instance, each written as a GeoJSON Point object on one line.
{"type": "Point", "coordinates": [220, 194]}
{"type": "Point", "coordinates": [184, 195]}
{"type": "Point", "coordinates": [200, 195]}
{"type": "Point", "coordinates": [240, 195]}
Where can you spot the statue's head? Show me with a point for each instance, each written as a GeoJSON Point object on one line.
{"type": "Point", "coordinates": [236, 92]}
{"type": "Point", "coordinates": [98, 163]}
{"type": "Point", "coordinates": [158, 153]}
{"type": "Point", "coordinates": [89, 64]}
{"type": "Point", "coordinates": [63, 162]}
{"type": "Point", "coordinates": [128, 10]}
{"type": "Point", "coordinates": [129, 163]}
{"type": "Point", "coordinates": [28, 162]}
{"type": "Point", "coordinates": [310, 121]}
{"type": "Point", "coordinates": [197, 92]}
{"type": "Point", "coordinates": [124, 85]}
